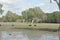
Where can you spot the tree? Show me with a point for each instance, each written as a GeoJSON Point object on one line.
{"type": "Point", "coordinates": [1, 9]}
{"type": "Point", "coordinates": [57, 15]}
{"type": "Point", "coordinates": [58, 3]}
{"type": "Point", "coordinates": [10, 17]}
{"type": "Point", "coordinates": [33, 13]}
{"type": "Point", "coordinates": [53, 17]}
{"type": "Point", "coordinates": [48, 17]}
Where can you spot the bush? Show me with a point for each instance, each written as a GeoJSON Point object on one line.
{"type": "Point", "coordinates": [30, 25]}
{"type": "Point", "coordinates": [35, 25]}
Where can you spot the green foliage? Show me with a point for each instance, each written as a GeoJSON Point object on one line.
{"type": "Point", "coordinates": [48, 17]}
{"type": "Point", "coordinates": [57, 16]}
{"type": "Point", "coordinates": [10, 17]}
{"type": "Point", "coordinates": [33, 13]}
{"type": "Point", "coordinates": [53, 17]}
{"type": "Point", "coordinates": [1, 9]}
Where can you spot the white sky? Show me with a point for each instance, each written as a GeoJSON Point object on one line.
{"type": "Point", "coordinates": [18, 6]}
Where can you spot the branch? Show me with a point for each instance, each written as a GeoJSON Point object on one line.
{"type": "Point", "coordinates": [56, 1]}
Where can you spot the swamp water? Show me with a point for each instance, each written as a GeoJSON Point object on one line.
{"type": "Point", "coordinates": [28, 35]}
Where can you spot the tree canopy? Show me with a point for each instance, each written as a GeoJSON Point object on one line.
{"type": "Point", "coordinates": [10, 17]}
{"type": "Point", "coordinates": [32, 14]}
{"type": "Point", "coordinates": [1, 9]}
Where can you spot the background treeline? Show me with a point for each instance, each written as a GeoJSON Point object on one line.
{"type": "Point", "coordinates": [35, 15]}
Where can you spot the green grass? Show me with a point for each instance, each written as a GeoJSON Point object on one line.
{"type": "Point", "coordinates": [26, 25]}
{"type": "Point", "coordinates": [43, 25]}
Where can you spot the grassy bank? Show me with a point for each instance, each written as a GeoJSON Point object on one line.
{"type": "Point", "coordinates": [17, 25]}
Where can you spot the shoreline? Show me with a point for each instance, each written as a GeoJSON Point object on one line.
{"type": "Point", "coordinates": [40, 29]}
{"type": "Point", "coordinates": [28, 26]}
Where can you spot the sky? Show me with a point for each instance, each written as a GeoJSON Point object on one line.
{"type": "Point", "coordinates": [17, 6]}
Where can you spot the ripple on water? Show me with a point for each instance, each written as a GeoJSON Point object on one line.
{"type": "Point", "coordinates": [23, 36]}
{"type": "Point", "coordinates": [14, 36]}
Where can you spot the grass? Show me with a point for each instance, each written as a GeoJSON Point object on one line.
{"type": "Point", "coordinates": [28, 25]}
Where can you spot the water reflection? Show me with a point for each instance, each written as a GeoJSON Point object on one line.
{"type": "Point", "coordinates": [28, 35]}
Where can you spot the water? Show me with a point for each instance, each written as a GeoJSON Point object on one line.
{"type": "Point", "coordinates": [28, 35]}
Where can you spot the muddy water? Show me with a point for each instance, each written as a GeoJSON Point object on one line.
{"type": "Point", "coordinates": [28, 35]}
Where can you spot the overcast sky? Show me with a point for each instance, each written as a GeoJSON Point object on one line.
{"type": "Point", "coordinates": [18, 6]}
